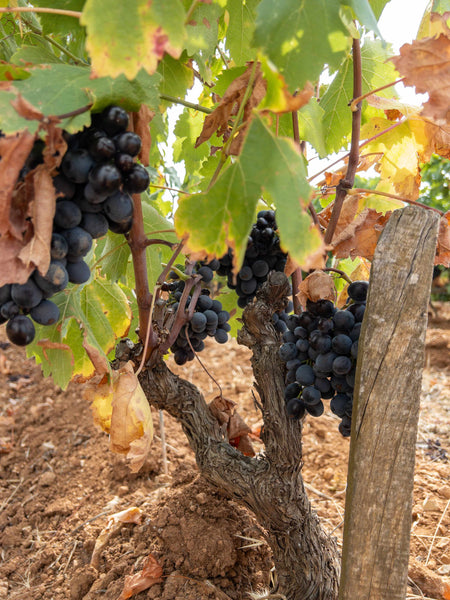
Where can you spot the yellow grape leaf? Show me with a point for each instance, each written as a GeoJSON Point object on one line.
{"type": "Point", "coordinates": [100, 394]}
{"type": "Point", "coordinates": [131, 429]}
{"type": "Point", "coordinates": [399, 164]}
{"type": "Point", "coordinates": [135, 35]}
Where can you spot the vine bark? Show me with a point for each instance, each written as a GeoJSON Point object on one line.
{"type": "Point", "coordinates": [271, 486]}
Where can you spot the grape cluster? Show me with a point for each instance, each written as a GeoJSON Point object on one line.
{"type": "Point", "coordinates": [263, 254]}
{"type": "Point", "coordinates": [97, 175]}
{"type": "Point", "coordinates": [209, 319]}
{"type": "Point", "coordinates": [320, 350]}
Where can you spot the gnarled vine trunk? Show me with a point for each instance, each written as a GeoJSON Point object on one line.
{"type": "Point", "coordinates": [271, 485]}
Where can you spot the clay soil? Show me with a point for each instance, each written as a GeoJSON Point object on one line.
{"type": "Point", "coordinates": [59, 485]}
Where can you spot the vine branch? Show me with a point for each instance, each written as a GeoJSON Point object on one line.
{"type": "Point", "coordinates": [339, 272]}
{"type": "Point", "coordinates": [394, 196]}
{"type": "Point", "coordinates": [356, 101]}
{"type": "Point", "coordinates": [54, 11]}
{"type": "Point", "coordinates": [176, 100]}
{"type": "Point", "coordinates": [347, 183]}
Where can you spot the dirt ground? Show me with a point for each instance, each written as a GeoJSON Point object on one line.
{"type": "Point", "coordinates": [59, 485]}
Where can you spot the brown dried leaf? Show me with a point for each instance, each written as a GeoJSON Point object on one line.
{"type": "Point", "coordinates": [317, 286]}
{"type": "Point", "coordinates": [14, 150]}
{"type": "Point", "coordinates": [141, 126]}
{"type": "Point", "coordinates": [229, 105]}
{"type": "Point", "coordinates": [425, 64]}
{"type": "Point", "coordinates": [222, 409]}
{"type": "Point", "coordinates": [244, 445]}
{"type": "Point", "coordinates": [113, 525]}
{"type": "Point", "coordinates": [361, 236]}
{"type": "Point", "coordinates": [348, 212]}
{"type": "Point", "coordinates": [151, 573]}
{"type": "Point", "coordinates": [37, 251]}
{"type": "Point", "coordinates": [12, 269]}
{"type": "Point", "coordinates": [443, 242]}
{"type": "Point", "coordinates": [131, 419]}
{"type": "Point", "coordinates": [237, 426]}
{"type": "Point", "coordinates": [97, 357]}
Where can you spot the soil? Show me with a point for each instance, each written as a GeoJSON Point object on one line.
{"type": "Point", "coordinates": [59, 486]}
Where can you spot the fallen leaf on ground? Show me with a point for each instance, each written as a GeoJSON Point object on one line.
{"type": "Point", "coordinates": [115, 522]}
{"type": "Point", "coordinates": [134, 584]}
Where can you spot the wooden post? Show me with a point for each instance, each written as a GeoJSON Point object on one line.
{"type": "Point", "coordinates": [386, 410]}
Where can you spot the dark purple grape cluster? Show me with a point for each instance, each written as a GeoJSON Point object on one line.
{"type": "Point", "coordinates": [97, 176]}
{"type": "Point", "coordinates": [320, 350]}
{"type": "Point", "coordinates": [263, 254]}
{"type": "Point", "coordinates": [209, 319]}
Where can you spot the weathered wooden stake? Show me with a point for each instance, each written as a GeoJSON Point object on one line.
{"type": "Point", "coordinates": [386, 410]}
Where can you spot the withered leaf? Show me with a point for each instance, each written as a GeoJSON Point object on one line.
{"type": "Point", "coordinates": [346, 216]}
{"type": "Point", "coordinates": [134, 584]}
{"type": "Point", "coordinates": [114, 523]}
{"type": "Point", "coordinates": [443, 242]}
{"type": "Point", "coordinates": [229, 105]}
{"type": "Point", "coordinates": [37, 251]}
{"type": "Point", "coordinates": [425, 64]}
{"type": "Point", "coordinates": [141, 126]}
{"type": "Point", "coordinates": [25, 109]}
{"type": "Point", "coordinates": [14, 150]}
{"type": "Point", "coordinates": [317, 286]}
{"type": "Point", "coordinates": [361, 236]}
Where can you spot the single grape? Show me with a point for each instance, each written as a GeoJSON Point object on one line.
{"type": "Point", "coordinates": [198, 322]}
{"type": "Point", "coordinates": [118, 207]}
{"type": "Point", "coordinates": [315, 410]}
{"type": "Point", "coordinates": [45, 313]}
{"type": "Point", "coordinates": [67, 214]}
{"type": "Point", "coordinates": [343, 320]}
{"type": "Point", "coordinates": [58, 247]}
{"type": "Point", "coordinates": [9, 310]}
{"type": "Point", "coordinates": [95, 224]}
{"type": "Point", "coordinates": [221, 336]}
{"type": "Point", "coordinates": [102, 148]}
{"type": "Point", "coordinates": [105, 178]}
{"type": "Point", "coordinates": [125, 163]}
{"type": "Point", "coordinates": [305, 375]}
{"type": "Point", "coordinates": [222, 317]}
{"type": "Point", "coordinates": [260, 268]}
{"type": "Point", "coordinates": [64, 187]}
{"type": "Point", "coordinates": [204, 303]}
{"type": "Point", "coordinates": [76, 165]}
{"type": "Point", "coordinates": [94, 197]}
{"type": "Point", "coordinates": [55, 279]}
{"type": "Point", "coordinates": [287, 352]}
{"type": "Point", "coordinates": [78, 272]}
{"type": "Point", "coordinates": [128, 143]}
{"type": "Point", "coordinates": [5, 293]}
{"type": "Point", "coordinates": [357, 290]}
{"type": "Point", "coordinates": [137, 180]}
{"type": "Point", "coordinates": [20, 330]}
{"type": "Point", "coordinates": [342, 365]}
{"type": "Point", "coordinates": [292, 391]}
{"type": "Point", "coordinates": [295, 409]}
{"type": "Point", "coordinates": [206, 273]}
{"type": "Point", "coordinates": [26, 295]}
{"type": "Point", "coordinates": [78, 240]}
{"type": "Point", "coordinates": [120, 227]}
{"type": "Point", "coordinates": [311, 395]}
{"type": "Point", "coordinates": [112, 119]}
{"type": "Point", "coordinates": [341, 344]}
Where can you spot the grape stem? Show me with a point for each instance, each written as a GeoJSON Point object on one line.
{"type": "Point", "coordinates": [74, 113]}
{"type": "Point", "coordinates": [171, 189]}
{"type": "Point", "coordinates": [296, 281]}
{"type": "Point", "coordinates": [54, 11]}
{"type": "Point", "coordinates": [176, 100]}
{"type": "Point", "coordinates": [191, 10]}
{"type": "Point", "coordinates": [394, 196]}
{"type": "Point", "coordinates": [377, 135]}
{"type": "Point", "coordinates": [353, 160]}
{"type": "Point", "coordinates": [339, 272]}
{"type": "Point", "coordinates": [356, 101]}
{"type": "Point", "coordinates": [169, 265]}
{"type": "Point", "coordinates": [151, 242]}
{"type": "Point", "coordinates": [201, 363]}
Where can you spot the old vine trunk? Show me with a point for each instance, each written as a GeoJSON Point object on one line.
{"type": "Point", "coordinates": [306, 558]}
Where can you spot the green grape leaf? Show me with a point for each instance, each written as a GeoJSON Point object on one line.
{"type": "Point", "coordinates": [241, 25]}
{"type": "Point", "coordinates": [176, 77]}
{"type": "Point", "coordinates": [376, 72]}
{"type": "Point", "coordinates": [58, 89]}
{"type": "Point", "coordinates": [364, 13]}
{"type": "Point", "coordinates": [225, 79]}
{"type": "Point", "coordinates": [203, 29]}
{"type": "Point", "coordinates": [37, 55]}
{"type": "Point", "coordinates": [310, 126]}
{"type": "Point", "coordinates": [92, 315]}
{"type": "Point", "coordinates": [378, 6]}
{"type": "Point", "coordinates": [113, 254]}
{"type": "Point", "coordinates": [60, 24]}
{"type": "Point", "coordinates": [187, 130]}
{"type": "Point", "coordinates": [288, 31]}
{"type": "Point", "coordinates": [157, 254]}
{"type": "Point", "coordinates": [135, 35]}
{"type": "Point", "coordinates": [223, 216]}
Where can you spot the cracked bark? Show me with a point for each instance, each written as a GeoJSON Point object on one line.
{"type": "Point", "coordinates": [386, 411]}
{"type": "Point", "coordinates": [271, 485]}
